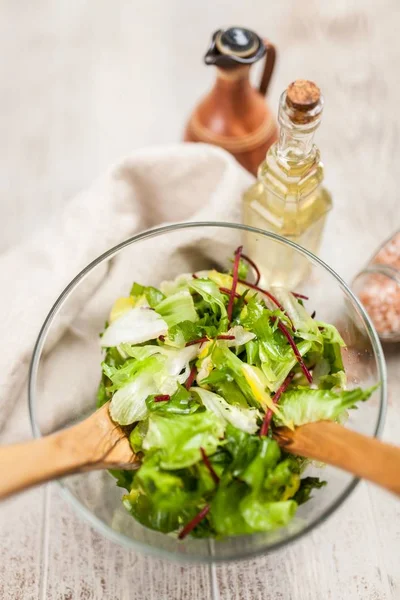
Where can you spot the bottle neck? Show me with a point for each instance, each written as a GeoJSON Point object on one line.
{"type": "Point", "coordinates": [234, 79]}
{"type": "Point", "coordinates": [233, 93]}
{"type": "Point", "coordinates": [296, 135]}
{"type": "Point", "coordinates": [233, 73]}
{"type": "Point", "coordinates": [295, 145]}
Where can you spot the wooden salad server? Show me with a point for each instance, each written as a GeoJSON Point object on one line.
{"type": "Point", "coordinates": [98, 443]}
{"type": "Point", "coordinates": [95, 443]}
{"type": "Point", "coordinates": [330, 443]}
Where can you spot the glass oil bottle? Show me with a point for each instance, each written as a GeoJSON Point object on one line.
{"type": "Point", "coordinates": [288, 197]}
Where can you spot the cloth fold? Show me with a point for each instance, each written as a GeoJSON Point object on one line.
{"type": "Point", "coordinates": [156, 186]}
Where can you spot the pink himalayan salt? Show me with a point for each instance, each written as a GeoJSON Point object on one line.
{"type": "Point", "coordinates": [389, 254]}
{"type": "Point", "coordinates": [380, 294]}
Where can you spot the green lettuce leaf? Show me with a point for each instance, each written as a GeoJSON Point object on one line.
{"type": "Point", "coordinates": [252, 353]}
{"type": "Point", "coordinates": [183, 332]}
{"type": "Point", "coordinates": [152, 294]}
{"type": "Point", "coordinates": [252, 312]}
{"type": "Point", "coordinates": [176, 362]}
{"type": "Point", "coordinates": [141, 507]}
{"type": "Point", "coordinates": [138, 434]}
{"type": "Point", "coordinates": [180, 437]}
{"type": "Point", "coordinates": [177, 308]}
{"type": "Point", "coordinates": [225, 513]}
{"type": "Point", "coordinates": [136, 326]}
{"type": "Point", "coordinates": [166, 488]}
{"type": "Point", "coordinates": [267, 516]}
{"type": "Point", "coordinates": [163, 500]}
{"type": "Point", "coordinates": [273, 344]}
{"type": "Point", "coordinates": [114, 358]}
{"type": "Point", "coordinates": [103, 395]}
{"type": "Point", "coordinates": [283, 481]}
{"type": "Point", "coordinates": [333, 343]}
{"type": "Point", "coordinates": [160, 371]}
{"type": "Point", "coordinates": [305, 405]}
{"type": "Point", "coordinates": [223, 358]}
{"type": "Point", "coordinates": [276, 371]}
{"type": "Point", "coordinates": [141, 353]}
{"type": "Point", "coordinates": [181, 282]}
{"type": "Point", "coordinates": [336, 381]}
{"type": "Point", "coordinates": [242, 503]}
{"type": "Point", "coordinates": [120, 376]}
{"type": "Point", "coordinates": [276, 356]}
{"type": "Point", "coordinates": [306, 328]}
{"type": "Point", "coordinates": [129, 403]}
{"type": "Point", "coordinates": [124, 478]}
{"type": "Point", "coordinates": [307, 485]}
{"type": "Point", "coordinates": [182, 402]}
{"type": "Point", "coordinates": [244, 419]}
{"type": "Point", "coordinates": [242, 447]}
{"type": "Point", "coordinates": [210, 293]}
{"type": "Point", "coordinates": [268, 454]}
{"type": "Point", "coordinates": [220, 381]}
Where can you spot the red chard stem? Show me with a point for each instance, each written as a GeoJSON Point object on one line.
{"type": "Point", "coordinates": [297, 354]}
{"type": "Point", "coordinates": [235, 276]}
{"type": "Point", "coordinates": [253, 264]}
{"type": "Point", "coordinates": [209, 466]}
{"type": "Point", "coordinates": [194, 522]}
{"type": "Point", "coordinates": [191, 378]}
{"type": "Point", "coordinates": [162, 398]}
{"type": "Point", "coordinates": [268, 415]}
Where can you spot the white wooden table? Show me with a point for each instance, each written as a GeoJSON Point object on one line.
{"type": "Point", "coordinates": [83, 83]}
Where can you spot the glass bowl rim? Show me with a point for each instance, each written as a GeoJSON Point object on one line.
{"type": "Point", "coordinates": [119, 537]}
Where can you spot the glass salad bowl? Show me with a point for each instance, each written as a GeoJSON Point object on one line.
{"type": "Point", "coordinates": [65, 373]}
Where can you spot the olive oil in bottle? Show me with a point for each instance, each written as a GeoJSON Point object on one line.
{"type": "Point", "coordinates": [288, 197]}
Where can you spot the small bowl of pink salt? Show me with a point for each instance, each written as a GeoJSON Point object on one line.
{"type": "Point", "coordinates": [378, 288]}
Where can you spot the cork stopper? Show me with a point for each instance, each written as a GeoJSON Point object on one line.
{"type": "Point", "coordinates": [303, 97]}
{"type": "Point", "coordinates": [303, 94]}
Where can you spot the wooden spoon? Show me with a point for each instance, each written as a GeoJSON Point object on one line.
{"type": "Point", "coordinates": [98, 443]}
{"type": "Point", "coordinates": [95, 443]}
{"type": "Point", "coordinates": [328, 442]}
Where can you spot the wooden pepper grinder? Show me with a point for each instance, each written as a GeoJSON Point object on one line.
{"type": "Point", "coordinates": [234, 115]}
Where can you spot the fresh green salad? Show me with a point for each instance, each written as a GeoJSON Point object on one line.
{"type": "Point", "coordinates": [200, 372]}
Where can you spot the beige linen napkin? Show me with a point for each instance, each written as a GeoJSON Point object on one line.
{"type": "Point", "coordinates": [186, 182]}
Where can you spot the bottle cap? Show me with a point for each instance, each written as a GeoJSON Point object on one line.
{"type": "Point", "coordinates": [304, 102]}
{"type": "Point", "coordinates": [233, 46]}
{"type": "Point", "coordinates": [303, 95]}
{"type": "Point", "coordinates": [237, 41]}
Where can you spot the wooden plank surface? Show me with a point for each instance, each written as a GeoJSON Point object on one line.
{"type": "Point", "coordinates": [84, 83]}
